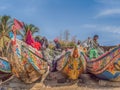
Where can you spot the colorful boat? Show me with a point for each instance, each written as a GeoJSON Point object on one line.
{"type": "Point", "coordinates": [106, 66]}
{"type": "Point", "coordinates": [5, 70]}
{"type": "Point", "coordinates": [72, 64]}
{"type": "Point", "coordinates": [27, 63]}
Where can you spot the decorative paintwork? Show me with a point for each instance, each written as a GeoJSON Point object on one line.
{"type": "Point", "coordinates": [106, 66]}
{"type": "Point", "coordinates": [72, 64]}
{"type": "Point", "coordinates": [28, 63]}
{"type": "Point", "coordinates": [5, 66]}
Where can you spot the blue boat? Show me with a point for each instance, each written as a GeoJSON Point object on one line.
{"type": "Point", "coordinates": [107, 66]}
{"type": "Point", "coordinates": [5, 70]}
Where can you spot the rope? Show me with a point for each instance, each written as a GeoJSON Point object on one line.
{"type": "Point", "coordinates": [7, 80]}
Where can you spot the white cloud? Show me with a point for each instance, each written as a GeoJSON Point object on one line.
{"type": "Point", "coordinates": [105, 28]}
{"type": "Point", "coordinates": [108, 12]}
{"type": "Point", "coordinates": [112, 29]}
{"type": "Point", "coordinates": [108, 1]}
{"type": "Point", "coordinates": [108, 8]}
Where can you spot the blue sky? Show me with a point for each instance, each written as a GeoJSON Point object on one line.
{"type": "Point", "coordinates": [82, 18]}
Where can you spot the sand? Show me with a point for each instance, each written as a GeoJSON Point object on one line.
{"type": "Point", "coordinates": [86, 84]}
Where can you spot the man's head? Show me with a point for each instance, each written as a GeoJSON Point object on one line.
{"type": "Point", "coordinates": [56, 40]}
{"type": "Point", "coordinates": [95, 37]}
{"type": "Point", "coordinates": [79, 42]}
{"type": "Point", "coordinates": [37, 39]}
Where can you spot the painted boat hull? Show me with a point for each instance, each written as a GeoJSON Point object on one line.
{"type": "Point", "coordinates": [71, 67]}
{"type": "Point", "coordinates": [5, 69]}
{"type": "Point", "coordinates": [107, 66]}
{"type": "Point", "coordinates": [27, 63]}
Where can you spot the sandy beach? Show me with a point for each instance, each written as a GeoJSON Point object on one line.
{"type": "Point", "coordinates": [38, 86]}
{"type": "Point", "coordinates": [16, 84]}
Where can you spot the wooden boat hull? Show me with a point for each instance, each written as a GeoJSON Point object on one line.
{"type": "Point", "coordinates": [71, 67]}
{"type": "Point", "coordinates": [5, 70]}
{"type": "Point", "coordinates": [107, 66]}
{"type": "Point", "coordinates": [27, 63]}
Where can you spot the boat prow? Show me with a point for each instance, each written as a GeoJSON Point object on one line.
{"type": "Point", "coordinates": [72, 64]}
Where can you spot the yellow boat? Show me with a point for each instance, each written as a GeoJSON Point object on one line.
{"type": "Point", "coordinates": [72, 64]}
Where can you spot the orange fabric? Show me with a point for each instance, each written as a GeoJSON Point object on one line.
{"type": "Point", "coordinates": [30, 41]}
{"type": "Point", "coordinates": [36, 45]}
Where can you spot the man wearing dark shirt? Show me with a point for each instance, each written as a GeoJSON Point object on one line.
{"type": "Point", "coordinates": [57, 45]}
{"type": "Point", "coordinates": [57, 52]}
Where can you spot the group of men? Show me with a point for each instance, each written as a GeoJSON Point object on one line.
{"type": "Point", "coordinates": [51, 56]}
{"type": "Point", "coordinates": [91, 44]}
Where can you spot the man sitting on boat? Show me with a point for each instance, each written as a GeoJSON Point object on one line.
{"type": "Point", "coordinates": [51, 56]}
{"type": "Point", "coordinates": [93, 47]}
{"type": "Point", "coordinates": [57, 45]}
{"type": "Point", "coordinates": [46, 51]}
{"type": "Point", "coordinates": [81, 48]}
{"type": "Point", "coordinates": [57, 54]}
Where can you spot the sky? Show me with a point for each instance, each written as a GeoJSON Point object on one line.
{"type": "Point", "coordinates": [82, 18]}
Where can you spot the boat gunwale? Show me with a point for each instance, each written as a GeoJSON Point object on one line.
{"type": "Point", "coordinates": [101, 56]}
{"type": "Point", "coordinates": [104, 68]}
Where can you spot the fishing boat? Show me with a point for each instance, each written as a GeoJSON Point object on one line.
{"type": "Point", "coordinates": [72, 64]}
{"type": "Point", "coordinates": [5, 67]}
{"type": "Point", "coordinates": [27, 62]}
{"type": "Point", "coordinates": [106, 66]}
{"type": "Point", "coordinates": [5, 70]}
